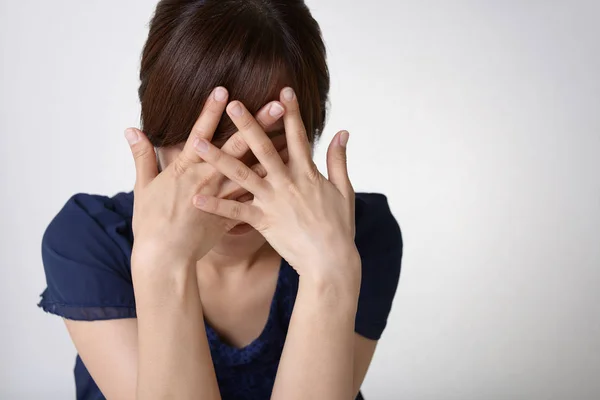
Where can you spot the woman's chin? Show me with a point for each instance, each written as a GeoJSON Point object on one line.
{"type": "Point", "coordinates": [240, 229]}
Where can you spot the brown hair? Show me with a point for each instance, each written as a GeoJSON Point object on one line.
{"type": "Point", "coordinates": [253, 48]}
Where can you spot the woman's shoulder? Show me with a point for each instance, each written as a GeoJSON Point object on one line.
{"type": "Point", "coordinates": [83, 208]}
{"type": "Point", "coordinates": [86, 217]}
{"type": "Point", "coordinates": [86, 252]}
{"type": "Point", "coordinates": [377, 229]}
{"type": "Point", "coordinates": [379, 242]}
{"type": "Point", "coordinates": [120, 204]}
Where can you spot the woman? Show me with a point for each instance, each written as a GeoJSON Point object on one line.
{"type": "Point", "coordinates": [242, 282]}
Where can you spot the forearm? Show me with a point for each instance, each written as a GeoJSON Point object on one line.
{"type": "Point", "coordinates": [174, 356]}
{"type": "Point", "coordinates": [317, 360]}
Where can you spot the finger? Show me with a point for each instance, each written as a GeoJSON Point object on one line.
{"type": "Point", "coordinates": [232, 190]}
{"type": "Point", "coordinates": [279, 142]}
{"type": "Point", "coordinates": [205, 125]}
{"type": "Point", "coordinates": [295, 132]}
{"type": "Point", "coordinates": [262, 172]}
{"type": "Point", "coordinates": [231, 209]}
{"type": "Point", "coordinates": [267, 117]}
{"type": "Point", "coordinates": [337, 167]}
{"type": "Point", "coordinates": [144, 157]}
{"type": "Point", "coordinates": [232, 168]}
{"type": "Point", "coordinates": [257, 139]}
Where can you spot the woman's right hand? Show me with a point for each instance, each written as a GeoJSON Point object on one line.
{"type": "Point", "coordinates": [167, 228]}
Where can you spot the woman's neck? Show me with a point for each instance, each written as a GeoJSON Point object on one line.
{"type": "Point", "coordinates": [236, 263]}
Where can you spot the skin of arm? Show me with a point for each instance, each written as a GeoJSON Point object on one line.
{"type": "Point", "coordinates": [364, 349]}
{"type": "Point", "coordinates": [323, 358]}
{"type": "Point", "coordinates": [110, 349]}
{"type": "Point", "coordinates": [116, 342]}
{"type": "Point", "coordinates": [318, 356]}
{"type": "Point", "coordinates": [174, 357]}
{"type": "Point", "coordinates": [167, 341]}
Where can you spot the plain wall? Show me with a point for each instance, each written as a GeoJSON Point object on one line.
{"type": "Point", "coordinates": [479, 119]}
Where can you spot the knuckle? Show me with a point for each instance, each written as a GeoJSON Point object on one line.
{"type": "Point", "coordinates": [241, 173]}
{"type": "Point", "coordinates": [235, 211]}
{"type": "Point", "coordinates": [312, 173]}
{"type": "Point", "coordinates": [140, 152]}
{"type": "Point", "coordinates": [246, 123]}
{"type": "Point", "coordinates": [293, 188]}
{"type": "Point", "coordinates": [199, 131]}
{"type": "Point", "coordinates": [238, 145]}
{"type": "Point", "coordinates": [340, 156]}
{"type": "Point", "coordinates": [300, 135]}
{"type": "Point", "coordinates": [267, 149]}
{"type": "Point", "coordinates": [179, 167]}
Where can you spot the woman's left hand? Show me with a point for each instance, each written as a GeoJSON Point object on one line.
{"type": "Point", "coordinates": [307, 218]}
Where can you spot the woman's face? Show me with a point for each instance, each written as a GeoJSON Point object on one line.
{"type": "Point", "coordinates": [242, 240]}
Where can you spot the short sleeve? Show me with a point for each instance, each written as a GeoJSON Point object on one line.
{"type": "Point", "coordinates": [86, 251]}
{"type": "Point", "coordinates": [379, 242]}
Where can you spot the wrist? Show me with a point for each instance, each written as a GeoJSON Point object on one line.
{"type": "Point", "coordinates": [146, 255]}
{"type": "Point", "coordinates": [170, 293]}
{"type": "Point", "coordinates": [334, 282]}
{"type": "Point", "coordinates": [333, 299]}
{"type": "Point", "coordinates": [341, 265]}
{"type": "Point", "coordinates": [156, 278]}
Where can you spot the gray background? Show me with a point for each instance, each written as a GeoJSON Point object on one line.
{"type": "Point", "coordinates": [479, 120]}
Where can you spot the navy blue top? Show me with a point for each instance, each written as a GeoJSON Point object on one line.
{"type": "Point", "coordinates": [86, 251]}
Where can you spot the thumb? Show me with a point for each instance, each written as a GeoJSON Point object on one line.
{"type": "Point", "coordinates": [144, 157]}
{"type": "Point", "coordinates": [337, 168]}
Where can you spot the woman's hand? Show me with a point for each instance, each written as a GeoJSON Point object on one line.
{"type": "Point", "coordinates": [307, 218]}
{"type": "Point", "coordinates": [166, 226]}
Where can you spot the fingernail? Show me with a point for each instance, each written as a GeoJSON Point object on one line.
{"type": "Point", "coordinates": [344, 136]}
{"type": "Point", "coordinates": [199, 201]}
{"type": "Point", "coordinates": [236, 110]}
{"type": "Point", "coordinates": [200, 145]}
{"type": "Point", "coordinates": [288, 94]}
{"type": "Point", "coordinates": [220, 94]}
{"type": "Point", "coordinates": [276, 110]}
{"type": "Point", "coordinates": [132, 136]}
